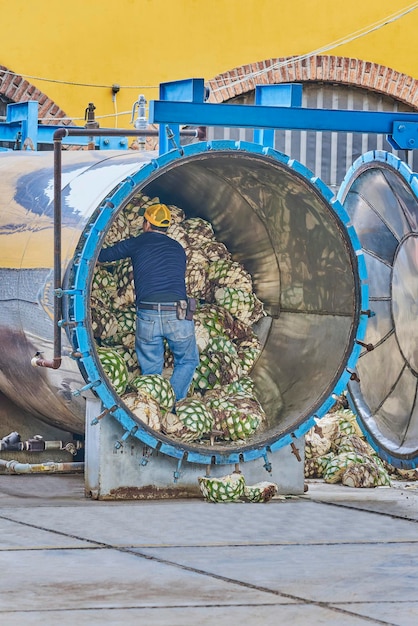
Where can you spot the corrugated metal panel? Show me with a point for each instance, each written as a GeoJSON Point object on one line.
{"type": "Point", "coordinates": [328, 155]}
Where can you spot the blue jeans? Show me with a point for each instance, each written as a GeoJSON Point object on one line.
{"type": "Point", "coordinates": [151, 328]}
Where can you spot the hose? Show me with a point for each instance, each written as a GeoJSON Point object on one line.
{"type": "Point", "coordinates": [14, 467]}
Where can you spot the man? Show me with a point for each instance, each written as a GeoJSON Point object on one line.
{"type": "Point", "coordinates": [159, 267]}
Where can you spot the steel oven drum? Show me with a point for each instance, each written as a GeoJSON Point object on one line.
{"type": "Point", "coordinates": [275, 218]}
{"type": "Point", "coordinates": [380, 195]}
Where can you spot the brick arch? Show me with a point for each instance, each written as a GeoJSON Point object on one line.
{"type": "Point", "coordinates": [18, 89]}
{"type": "Point", "coordinates": [316, 68]}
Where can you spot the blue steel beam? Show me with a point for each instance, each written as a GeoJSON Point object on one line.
{"type": "Point", "coordinates": [402, 126]}
{"type": "Point", "coordinates": [189, 90]}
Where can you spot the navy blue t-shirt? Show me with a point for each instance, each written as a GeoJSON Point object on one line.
{"type": "Point", "coordinates": [159, 264]}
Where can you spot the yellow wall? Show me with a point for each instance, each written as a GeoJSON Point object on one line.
{"type": "Point", "coordinates": [140, 43]}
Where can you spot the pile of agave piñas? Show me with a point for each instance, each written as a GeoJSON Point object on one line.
{"type": "Point", "coordinates": [222, 404]}
{"type": "Point", "coordinates": [337, 452]}
{"type": "Point", "coordinates": [232, 488]}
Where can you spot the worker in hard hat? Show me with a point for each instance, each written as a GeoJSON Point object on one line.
{"type": "Point", "coordinates": [163, 309]}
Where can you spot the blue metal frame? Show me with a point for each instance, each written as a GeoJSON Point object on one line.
{"type": "Point", "coordinates": [86, 345]}
{"type": "Point", "coordinates": [401, 128]}
{"type": "Point", "coordinates": [190, 90]}
{"type": "Point", "coordinates": [183, 103]}
{"type": "Point", "coordinates": [22, 126]}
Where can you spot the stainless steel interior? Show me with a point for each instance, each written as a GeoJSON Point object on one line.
{"type": "Point", "coordinates": [273, 221]}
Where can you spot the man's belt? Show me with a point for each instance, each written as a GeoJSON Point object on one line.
{"type": "Point", "coordinates": [157, 306]}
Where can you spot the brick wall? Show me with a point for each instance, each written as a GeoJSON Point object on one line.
{"type": "Point", "coordinates": [329, 69]}
{"type": "Point", "coordinates": [18, 89]}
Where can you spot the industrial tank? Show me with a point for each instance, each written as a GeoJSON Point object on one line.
{"type": "Point", "coordinates": [278, 220]}
{"type": "Point", "coordinates": [380, 195]}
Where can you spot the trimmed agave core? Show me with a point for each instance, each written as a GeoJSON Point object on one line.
{"type": "Point", "coordinates": [280, 230]}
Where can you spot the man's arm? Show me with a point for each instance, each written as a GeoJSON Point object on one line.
{"type": "Point", "coordinates": [120, 250]}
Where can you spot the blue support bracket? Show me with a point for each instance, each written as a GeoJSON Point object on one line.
{"type": "Point", "coordinates": [405, 135]}
{"type": "Point", "coordinates": [267, 463]}
{"type": "Point", "coordinates": [173, 138]}
{"type": "Point", "coordinates": [146, 455]}
{"type": "Point", "coordinates": [66, 292]}
{"type": "Point", "coordinates": [190, 90]}
{"type": "Point", "coordinates": [78, 392]}
{"type": "Point", "coordinates": [23, 117]}
{"type": "Point", "coordinates": [176, 473]}
{"type": "Point", "coordinates": [368, 313]}
{"type": "Point", "coordinates": [128, 433]}
{"type": "Point", "coordinates": [111, 143]}
{"type": "Point", "coordinates": [285, 95]}
{"type": "Point", "coordinates": [96, 420]}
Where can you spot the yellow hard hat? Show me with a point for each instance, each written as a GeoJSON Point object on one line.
{"type": "Point", "coordinates": [158, 215]}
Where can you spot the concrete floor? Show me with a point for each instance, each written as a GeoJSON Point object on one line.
{"type": "Point", "coordinates": [335, 556]}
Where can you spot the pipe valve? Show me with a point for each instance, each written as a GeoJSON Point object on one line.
{"type": "Point", "coordinates": [89, 117]}
{"type": "Point", "coordinates": [141, 121]}
{"type": "Point", "coordinates": [11, 442]}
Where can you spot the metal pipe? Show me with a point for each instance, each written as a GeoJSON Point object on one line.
{"type": "Point", "coordinates": [61, 133]}
{"type": "Point", "coordinates": [13, 467]}
{"type": "Point", "coordinates": [55, 362]}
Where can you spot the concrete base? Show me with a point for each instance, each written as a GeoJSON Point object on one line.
{"type": "Point", "coordinates": [136, 471]}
